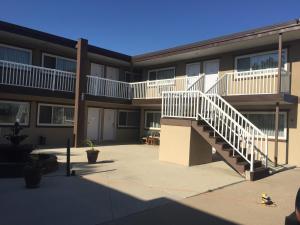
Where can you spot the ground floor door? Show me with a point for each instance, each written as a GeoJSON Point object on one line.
{"type": "Point", "coordinates": [211, 71]}
{"type": "Point", "coordinates": [109, 125]}
{"type": "Point", "coordinates": [94, 124]}
{"type": "Point", "coordinates": [192, 72]}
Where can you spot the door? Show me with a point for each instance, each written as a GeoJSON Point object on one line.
{"type": "Point", "coordinates": [94, 126]}
{"type": "Point", "coordinates": [109, 126]}
{"type": "Point", "coordinates": [112, 73]}
{"type": "Point", "coordinates": [192, 72]}
{"type": "Point", "coordinates": [211, 71]}
{"type": "Point", "coordinates": [97, 70]}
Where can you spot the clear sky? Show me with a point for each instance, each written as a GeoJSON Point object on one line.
{"type": "Point", "coordinates": [136, 26]}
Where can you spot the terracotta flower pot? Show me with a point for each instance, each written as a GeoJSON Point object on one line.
{"type": "Point", "coordinates": [32, 176]}
{"type": "Point", "coordinates": [92, 155]}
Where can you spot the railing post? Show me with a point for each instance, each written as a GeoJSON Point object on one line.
{"type": "Point", "coordinates": [53, 81]}
{"type": "Point", "coordinates": [198, 100]}
{"type": "Point", "coordinates": [252, 152]}
{"type": "Point", "coordinates": [279, 62]}
{"type": "Point", "coordinates": [266, 151]}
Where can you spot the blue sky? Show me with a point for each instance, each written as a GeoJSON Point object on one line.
{"type": "Point", "coordinates": [136, 26]}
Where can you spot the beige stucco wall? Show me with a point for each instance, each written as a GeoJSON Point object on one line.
{"type": "Point", "coordinates": [182, 145]}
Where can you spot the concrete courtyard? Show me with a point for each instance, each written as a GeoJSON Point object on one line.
{"type": "Point", "coordinates": [130, 186]}
{"type": "Point", "coordinates": [127, 179]}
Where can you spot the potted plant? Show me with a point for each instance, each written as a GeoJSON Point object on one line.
{"type": "Point", "coordinates": [92, 153]}
{"type": "Point", "coordinates": [32, 174]}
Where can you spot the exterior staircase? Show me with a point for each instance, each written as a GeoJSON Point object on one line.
{"type": "Point", "coordinates": [240, 143]}
{"type": "Point", "coordinates": [234, 160]}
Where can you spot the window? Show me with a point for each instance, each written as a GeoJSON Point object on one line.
{"type": "Point", "coordinates": [13, 54]}
{"type": "Point", "coordinates": [97, 70]}
{"type": "Point", "coordinates": [55, 115]}
{"type": "Point", "coordinates": [10, 112]}
{"type": "Point", "coordinates": [266, 122]}
{"type": "Point", "coordinates": [59, 63]}
{"type": "Point", "coordinates": [152, 120]}
{"type": "Point", "coordinates": [159, 74]}
{"type": "Point", "coordinates": [265, 60]}
{"type": "Point", "coordinates": [128, 118]}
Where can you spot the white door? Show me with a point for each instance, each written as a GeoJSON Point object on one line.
{"type": "Point", "coordinates": [192, 72]}
{"type": "Point", "coordinates": [93, 126]}
{"type": "Point", "coordinates": [109, 126]}
{"type": "Point", "coordinates": [97, 70]}
{"type": "Point", "coordinates": [211, 71]}
{"type": "Point", "coordinates": [112, 73]}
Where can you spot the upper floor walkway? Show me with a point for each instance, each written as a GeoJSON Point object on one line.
{"type": "Point", "coordinates": [256, 82]}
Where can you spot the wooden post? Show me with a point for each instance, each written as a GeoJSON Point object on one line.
{"type": "Point", "coordinates": [82, 69]}
{"type": "Point", "coordinates": [279, 62]}
{"type": "Point", "coordinates": [276, 133]}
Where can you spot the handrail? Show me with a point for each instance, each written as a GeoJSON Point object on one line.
{"type": "Point", "coordinates": [243, 136]}
{"type": "Point", "coordinates": [253, 82]}
{"type": "Point", "coordinates": [25, 75]}
{"type": "Point", "coordinates": [198, 84]}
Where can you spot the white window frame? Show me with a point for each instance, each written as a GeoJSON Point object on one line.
{"type": "Point", "coordinates": [57, 56]}
{"type": "Point", "coordinates": [267, 112]}
{"type": "Point", "coordinates": [50, 124]}
{"type": "Point", "coordinates": [145, 120]}
{"type": "Point", "coordinates": [21, 49]}
{"type": "Point", "coordinates": [284, 52]}
{"type": "Point", "coordinates": [17, 102]}
{"type": "Point", "coordinates": [168, 81]}
{"type": "Point", "coordinates": [126, 126]}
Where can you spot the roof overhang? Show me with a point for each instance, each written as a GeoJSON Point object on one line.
{"type": "Point", "coordinates": [244, 40]}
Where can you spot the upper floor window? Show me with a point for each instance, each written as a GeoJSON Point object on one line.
{"type": "Point", "coordinates": [97, 70]}
{"type": "Point", "coordinates": [55, 115]}
{"type": "Point", "coordinates": [11, 111]}
{"type": "Point", "coordinates": [159, 74]}
{"type": "Point", "coordinates": [59, 63]}
{"type": "Point", "coordinates": [265, 60]}
{"type": "Point", "coordinates": [14, 54]}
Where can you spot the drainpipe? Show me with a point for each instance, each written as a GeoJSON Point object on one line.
{"type": "Point", "coordinates": [277, 103]}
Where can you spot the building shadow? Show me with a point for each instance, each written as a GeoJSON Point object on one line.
{"type": "Point", "coordinates": [78, 200]}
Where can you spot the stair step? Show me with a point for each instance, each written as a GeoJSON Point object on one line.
{"type": "Point", "coordinates": [259, 173]}
{"type": "Point", "coordinates": [246, 165]}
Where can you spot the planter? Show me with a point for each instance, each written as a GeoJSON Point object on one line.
{"type": "Point", "coordinates": [297, 206]}
{"type": "Point", "coordinates": [32, 176]}
{"type": "Point", "coordinates": [92, 155]}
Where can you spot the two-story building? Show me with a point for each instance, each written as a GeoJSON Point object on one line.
{"type": "Point", "coordinates": [242, 88]}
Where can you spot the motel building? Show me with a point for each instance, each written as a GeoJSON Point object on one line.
{"type": "Point", "coordinates": [236, 95]}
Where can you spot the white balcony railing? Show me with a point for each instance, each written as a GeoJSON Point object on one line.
{"type": "Point", "coordinates": [138, 90]}
{"type": "Point", "coordinates": [23, 75]}
{"type": "Point", "coordinates": [251, 83]}
{"type": "Point", "coordinates": [98, 86]}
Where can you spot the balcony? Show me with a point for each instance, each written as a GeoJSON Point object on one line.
{"type": "Point", "coordinates": [29, 76]}
{"type": "Point", "coordinates": [98, 86]}
{"type": "Point", "coordinates": [256, 82]}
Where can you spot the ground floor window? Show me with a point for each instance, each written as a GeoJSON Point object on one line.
{"type": "Point", "coordinates": [152, 119]}
{"type": "Point", "coordinates": [11, 111]}
{"type": "Point", "coordinates": [128, 118]}
{"type": "Point", "coordinates": [55, 115]}
{"type": "Point", "coordinates": [266, 122]}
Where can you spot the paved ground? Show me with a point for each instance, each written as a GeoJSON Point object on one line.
{"type": "Point", "coordinates": [235, 204]}
{"type": "Point", "coordinates": [128, 179]}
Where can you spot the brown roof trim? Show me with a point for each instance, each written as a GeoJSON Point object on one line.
{"type": "Point", "coordinates": [24, 31]}
{"type": "Point", "coordinates": [217, 41]}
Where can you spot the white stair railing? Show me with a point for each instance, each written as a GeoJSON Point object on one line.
{"type": "Point", "coordinates": [24, 75]}
{"type": "Point", "coordinates": [198, 84]}
{"type": "Point", "coordinates": [244, 137]}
